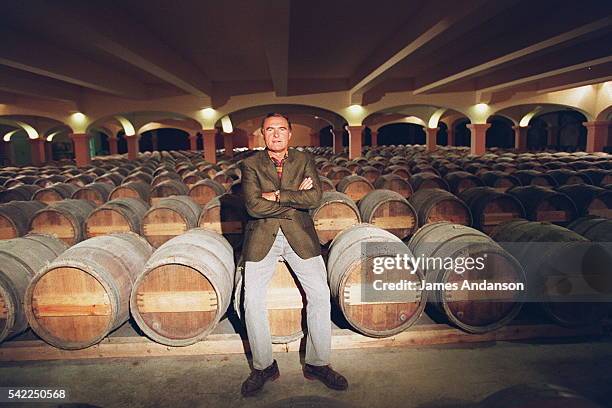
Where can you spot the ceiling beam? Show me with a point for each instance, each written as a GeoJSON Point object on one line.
{"type": "Point", "coordinates": [26, 53]}
{"type": "Point", "coordinates": [276, 35]}
{"type": "Point", "coordinates": [125, 38]}
{"type": "Point", "coordinates": [595, 75]}
{"type": "Point", "coordinates": [431, 82]}
{"type": "Point", "coordinates": [24, 83]}
{"type": "Point", "coordinates": [414, 36]}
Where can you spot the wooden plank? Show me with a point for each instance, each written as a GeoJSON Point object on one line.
{"type": "Point", "coordinates": [333, 223]}
{"type": "Point", "coordinates": [227, 227]}
{"type": "Point", "coordinates": [496, 218]}
{"type": "Point", "coordinates": [353, 291]}
{"type": "Point", "coordinates": [418, 336]}
{"type": "Point", "coordinates": [601, 212]}
{"type": "Point", "coordinates": [168, 228]}
{"type": "Point", "coordinates": [60, 231]}
{"type": "Point", "coordinates": [394, 222]}
{"type": "Point", "coordinates": [83, 304]}
{"type": "Point", "coordinates": [173, 302]}
{"type": "Point", "coordinates": [107, 229]}
{"type": "Point", "coordinates": [552, 216]}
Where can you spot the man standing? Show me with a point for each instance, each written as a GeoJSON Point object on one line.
{"type": "Point", "coordinates": [280, 185]}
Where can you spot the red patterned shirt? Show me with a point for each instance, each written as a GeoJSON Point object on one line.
{"type": "Point", "coordinates": [278, 164]}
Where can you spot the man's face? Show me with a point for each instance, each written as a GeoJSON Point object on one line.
{"type": "Point", "coordinates": [276, 133]}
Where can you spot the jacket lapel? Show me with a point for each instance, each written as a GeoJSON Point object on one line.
{"type": "Point", "coordinates": [288, 170]}
{"type": "Point", "coordinates": [269, 169]}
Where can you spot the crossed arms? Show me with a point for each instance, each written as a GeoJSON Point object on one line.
{"type": "Point", "coordinates": [264, 205]}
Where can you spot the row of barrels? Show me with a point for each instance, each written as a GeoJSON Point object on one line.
{"type": "Point", "coordinates": [73, 297]}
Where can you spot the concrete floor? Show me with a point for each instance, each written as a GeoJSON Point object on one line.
{"type": "Point", "coordinates": [433, 377]}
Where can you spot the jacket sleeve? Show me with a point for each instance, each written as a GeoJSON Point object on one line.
{"type": "Point", "coordinates": [256, 205]}
{"type": "Point", "coordinates": [304, 199]}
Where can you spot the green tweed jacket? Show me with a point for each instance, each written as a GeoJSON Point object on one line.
{"type": "Point", "coordinates": [290, 214]}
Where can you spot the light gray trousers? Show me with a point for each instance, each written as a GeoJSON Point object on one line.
{"type": "Point", "coordinates": [313, 277]}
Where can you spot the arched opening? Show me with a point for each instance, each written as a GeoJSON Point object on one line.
{"type": "Point", "coordinates": [500, 134]}
{"type": "Point", "coordinates": [560, 130]}
{"type": "Point", "coordinates": [442, 135]}
{"type": "Point", "coordinates": [401, 133]}
{"type": "Point", "coordinates": [462, 133]}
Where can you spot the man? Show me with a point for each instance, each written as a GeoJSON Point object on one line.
{"type": "Point", "coordinates": [280, 185]}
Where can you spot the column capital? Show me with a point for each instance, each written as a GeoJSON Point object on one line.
{"type": "Point", "coordinates": [478, 126]}
{"type": "Point", "coordinates": [79, 136]}
{"type": "Point", "coordinates": [521, 127]}
{"type": "Point", "coordinates": [598, 123]}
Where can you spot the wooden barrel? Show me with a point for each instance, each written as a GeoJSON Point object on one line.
{"type": "Point", "coordinates": [337, 173]}
{"type": "Point", "coordinates": [459, 181]}
{"type": "Point", "coordinates": [599, 177]}
{"type": "Point", "coordinates": [192, 177]}
{"type": "Point", "coordinates": [81, 180]}
{"type": "Point", "coordinates": [390, 211]}
{"type": "Point", "coordinates": [545, 204]}
{"type": "Point", "coordinates": [560, 265]}
{"type": "Point", "coordinates": [118, 215]}
{"type": "Point", "coordinates": [534, 178]}
{"type": "Point", "coordinates": [355, 187]}
{"type": "Point", "coordinates": [15, 217]}
{"type": "Point", "coordinates": [224, 179]}
{"type": "Point", "coordinates": [499, 180]}
{"type": "Point", "coordinates": [593, 228]}
{"type": "Point", "coordinates": [433, 205]}
{"type": "Point", "coordinates": [536, 396]}
{"type": "Point", "coordinates": [56, 192]}
{"type": "Point", "coordinates": [22, 179]}
{"type": "Point", "coordinates": [286, 303]}
{"type": "Point", "coordinates": [185, 288]}
{"type": "Point", "coordinates": [568, 177]}
{"type": "Point", "coordinates": [205, 190]}
{"type": "Point", "coordinates": [80, 297]}
{"type": "Point", "coordinates": [226, 215]}
{"type": "Point", "coordinates": [20, 260]}
{"type": "Point", "coordinates": [350, 274]}
{"type": "Point", "coordinates": [422, 181]}
{"type": "Point", "coordinates": [138, 176]}
{"type": "Point", "coordinates": [63, 219]}
{"type": "Point", "coordinates": [589, 199]}
{"type": "Point", "coordinates": [111, 178]}
{"type": "Point", "coordinates": [490, 208]}
{"type": "Point", "coordinates": [371, 173]}
{"type": "Point", "coordinates": [166, 189]}
{"type": "Point", "coordinates": [132, 189]}
{"type": "Point", "coordinates": [399, 170]}
{"type": "Point", "coordinates": [164, 176]}
{"type": "Point", "coordinates": [395, 183]}
{"type": "Point", "coordinates": [95, 192]}
{"type": "Point", "coordinates": [474, 310]}
{"type": "Point", "coordinates": [326, 184]}
{"type": "Point", "coordinates": [171, 216]}
{"type": "Point", "coordinates": [335, 212]}
{"type": "Point", "coordinates": [22, 192]}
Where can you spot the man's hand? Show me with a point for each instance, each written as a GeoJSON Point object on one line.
{"type": "Point", "coordinates": [306, 184]}
{"type": "Point", "coordinates": [271, 196]}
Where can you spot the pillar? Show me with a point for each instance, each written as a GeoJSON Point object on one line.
{"type": "Point", "coordinates": [193, 142]}
{"type": "Point", "coordinates": [132, 146]}
{"type": "Point", "coordinates": [315, 139]}
{"type": "Point", "coordinates": [154, 145]}
{"type": "Point", "coordinates": [112, 145]}
{"type": "Point", "coordinates": [450, 136]}
{"type": "Point", "coordinates": [355, 141]}
{"type": "Point", "coordinates": [552, 136]}
{"type": "Point", "coordinates": [597, 135]}
{"type": "Point", "coordinates": [49, 151]}
{"type": "Point", "coordinates": [478, 137]}
{"type": "Point", "coordinates": [337, 142]}
{"type": "Point", "coordinates": [520, 138]}
{"type": "Point", "coordinates": [37, 150]}
{"type": "Point", "coordinates": [431, 135]}
{"type": "Point", "coordinates": [228, 144]}
{"type": "Point", "coordinates": [209, 136]}
{"type": "Point", "coordinates": [374, 138]}
{"type": "Point", "coordinates": [81, 148]}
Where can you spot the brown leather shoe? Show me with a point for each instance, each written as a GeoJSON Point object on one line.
{"type": "Point", "coordinates": [256, 380]}
{"type": "Point", "coordinates": [327, 376]}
